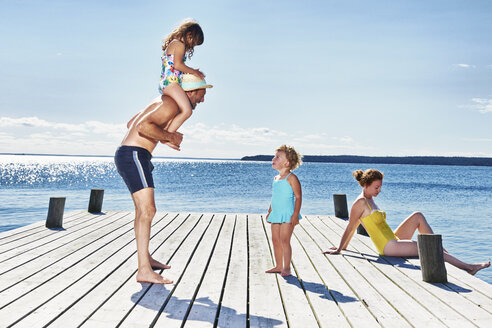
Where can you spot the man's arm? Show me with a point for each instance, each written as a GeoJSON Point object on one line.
{"type": "Point", "coordinates": [151, 124]}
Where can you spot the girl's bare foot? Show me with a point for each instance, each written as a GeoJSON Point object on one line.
{"type": "Point", "coordinates": [158, 265]}
{"type": "Point", "coordinates": [477, 267]}
{"type": "Point", "coordinates": [274, 270]}
{"type": "Point", "coordinates": [173, 146]}
{"type": "Point", "coordinates": [285, 273]}
{"type": "Point", "coordinates": [152, 277]}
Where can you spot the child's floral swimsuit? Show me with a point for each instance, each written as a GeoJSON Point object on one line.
{"type": "Point", "coordinates": [169, 73]}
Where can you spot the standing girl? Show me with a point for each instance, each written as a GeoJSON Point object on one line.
{"type": "Point", "coordinates": [176, 47]}
{"type": "Point", "coordinates": [285, 207]}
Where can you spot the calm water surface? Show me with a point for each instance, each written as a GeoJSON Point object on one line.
{"type": "Point", "coordinates": [454, 199]}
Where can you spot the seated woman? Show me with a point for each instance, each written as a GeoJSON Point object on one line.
{"type": "Point", "coordinates": [397, 243]}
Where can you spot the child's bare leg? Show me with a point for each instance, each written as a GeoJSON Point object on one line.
{"type": "Point", "coordinates": [416, 221]}
{"type": "Point", "coordinates": [277, 249]}
{"type": "Point", "coordinates": [175, 91]}
{"type": "Point", "coordinates": [286, 230]}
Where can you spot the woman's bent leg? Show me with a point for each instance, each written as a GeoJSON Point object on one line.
{"type": "Point", "coordinates": [416, 221]}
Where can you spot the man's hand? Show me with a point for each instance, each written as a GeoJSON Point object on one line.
{"type": "Point", "coordinates": [175, 139]}
{"type": "Point", "coordinates": [173, 146]}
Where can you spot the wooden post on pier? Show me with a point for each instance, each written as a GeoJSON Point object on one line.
{"type": "Point", "coordinates": [55, 212]}
{"type": "Point", "coordinates": [361, 230]}
{"type": "Point", "coordinates": [340, 203]}
{"type": "Point", "coordinates": [96, 200]}
{"type": "Point", "coordinates": [431, 258]}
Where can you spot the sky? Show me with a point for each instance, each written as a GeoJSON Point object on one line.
{"type": "Point", "coordinates": [374, 78]}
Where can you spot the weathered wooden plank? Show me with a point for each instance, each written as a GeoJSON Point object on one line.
{"type": "Point", "coordinates": [47, 255]}
{"type": "Point", "coordinates": [20, 282]}
{"type": "Point", "coordinates": [12, 244]}
{"type": "Point", "coordinates": [176, 310]}
{"type": "Point", "coordinates": [403, 302]}
{"type": "Point", "coordinates": [233, 310]}
{"type": "Point", "coordinates": [327, 312]}
{"type": "Point", "coordinates": [106, 307]}
{"type": "Point", "coordinates": [476, 311]}
{"type": "Point", "coordinates": [107, 299]}
{"type": "Point", "coordinates": [203, 312]}
{"type": "Point", "coordinates": [29, 308]}
{"type": "Point", "coordinates": [35, 227]}
{"type": "Point", "coordinates": [439, 307]}
{"type": "Point", "coordinates": [381, 309]}
{"type": "Point", "coordinates": [150, 304]}
{"type": "Point", "coordinates": [339, 291]}
{"type": "Point", "coordinates": [265, 303]}
{"type": "Point", "coordinates": [296, 303]}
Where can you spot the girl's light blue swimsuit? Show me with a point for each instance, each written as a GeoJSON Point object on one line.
{"type": "Point", "coordinates": [283, 202]}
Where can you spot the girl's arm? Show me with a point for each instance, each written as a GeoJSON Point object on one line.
{"type": "Point", "coordinates": [268, 214]}
{"type": "Point", "coordinates": [354, 221]}
{"type": "Point", "coordinates": [296, 187]}
{"type": "Point", "coordinates": [179, 52]}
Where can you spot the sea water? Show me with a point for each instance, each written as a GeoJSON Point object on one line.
{"type": "Point", "coordinates": [456, 200]}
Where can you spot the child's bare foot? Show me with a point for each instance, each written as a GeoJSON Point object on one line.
{"type": "Point", "coordinates": [158, 265]}
{"type": "Point", "coordinates": [477, 267]}
{"type": "Point", "coordinates": [152, 277]}
{"type": "Point", "coordinates": [285, 273]}
{"type": "Point", "coordinates": [274, 270]}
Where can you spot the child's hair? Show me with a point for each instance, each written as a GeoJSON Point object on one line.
{"type": "Point", "coordinates": [188, 27]}
{"type": "Point", "coordinates": [367, 177]}
{"type": "Point", "coordinates": [294, 158]}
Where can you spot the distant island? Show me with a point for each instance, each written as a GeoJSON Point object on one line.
{"type": "Point", "coordinates": [414, 160]}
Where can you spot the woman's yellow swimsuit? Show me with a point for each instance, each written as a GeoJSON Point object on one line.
{"type": "Point", "coordinates": [378, 229]}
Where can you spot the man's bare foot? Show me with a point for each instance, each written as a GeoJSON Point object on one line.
{"type": "Point", "coordinates": [274, 270]}
{"type": "Point", "coordinates": [158, 265]}
{"type": "Point", "coordinates": [285, 273]}
{"type": "Point", "coordinates": [477, 267]}
{"type": "Point", "coordinates": [151, 277]}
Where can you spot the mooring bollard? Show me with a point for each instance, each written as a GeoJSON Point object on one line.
{"type": "Point", "coordinates": [431, 258]}
{"type": "Point", "coordinates": [96, 200]}
{"type": "Point", "coordinates": [55, 212]}
{"type": "Point", "coordinates": [340, 203]}
{"type": "Point", "coordinates": [361, 230]}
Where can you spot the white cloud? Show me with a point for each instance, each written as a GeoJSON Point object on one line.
{"type": "Point", "coordinates": [483, 105]}
{"type": "Point", "coordinates": [37, 135]}
{"type": "Point", "coordinates": [464, 65]}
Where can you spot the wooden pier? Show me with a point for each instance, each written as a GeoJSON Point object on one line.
{"type": "Point", "coordinates": [84, 275]}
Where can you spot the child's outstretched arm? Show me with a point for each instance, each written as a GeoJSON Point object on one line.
{"type": "Point", "coordinates": [296, 187]}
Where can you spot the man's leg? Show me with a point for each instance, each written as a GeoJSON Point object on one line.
{"type": "Point", "coordinates": [144, 213]}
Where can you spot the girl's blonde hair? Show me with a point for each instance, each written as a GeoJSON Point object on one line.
{"type": "Point", "coordinates": [294, 158]}
{"type": "Point", "coordinates": [365, 178]}
{"type": "Point", "coordinates": [188, 28]}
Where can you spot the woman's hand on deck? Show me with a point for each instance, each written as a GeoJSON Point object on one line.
{"type": "Point", "coordinates": [333, 251]}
